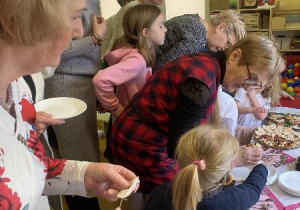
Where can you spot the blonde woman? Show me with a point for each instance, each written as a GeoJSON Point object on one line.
{"type": "Point", "coordinates": [206, 155]}
{"type": "Point", "coordinates": [181, 96]}
{"type": "Point", "coordinates": [33, 36]}
{"type": "Point", "coordinates": [189, 34]}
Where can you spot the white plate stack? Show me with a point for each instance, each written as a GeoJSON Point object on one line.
{"type": "Point", "coordinates": [272, 175]}
{"type": "Point", "coordinates": [290, 182]}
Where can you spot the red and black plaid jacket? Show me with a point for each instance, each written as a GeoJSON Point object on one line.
{"type": "Point", "coordinates": [140, 134]}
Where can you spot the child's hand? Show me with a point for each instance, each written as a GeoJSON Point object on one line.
{"type": "Point", "coordinates": [258, 110]}
{"type": "Point", "coordinates": [101, 109]}
{"type": "Point", "coordinates": [269, 162]}
{"type": "Point", "coordinates": [284, 94]}
{"type": "Point", "coordinates": [261, 109]}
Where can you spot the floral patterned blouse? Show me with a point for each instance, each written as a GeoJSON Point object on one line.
{"type": "Point", "coordinates": [25, 172]}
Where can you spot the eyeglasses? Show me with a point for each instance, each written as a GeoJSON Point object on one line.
{"type": "Point", "coordinates": [228, 43]}
{"type": "Point", "coordinates": [251, 81]}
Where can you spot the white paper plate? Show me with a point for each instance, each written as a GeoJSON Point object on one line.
{"type": "Point", "coordinates": [290, 182]}
{"type": "Point", "coordinates": [272, 175]}
{"type": "Point", "coordinates": [241, 173]}
{"type": "Point", "coordinates": [289, 191]}
{"type": "Point", "coordinates": [61, 107]}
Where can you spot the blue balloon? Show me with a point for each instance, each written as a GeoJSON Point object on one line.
{"type": "Point", "coordinates": [297, 82]}
{"type": "Point", "coordinates": [291, 84]}
{"type": "Point", "coordinates": [283, 74]}
{"type": "Point", "coordinates": [291, 66]}
{"type": "Point", "coordinates": [290, 76]}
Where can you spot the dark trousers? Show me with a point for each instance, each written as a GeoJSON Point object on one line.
{"type": "Point", "coordinates": [82, 203]}
{"type": "Point", "coordinates": [107, 152]}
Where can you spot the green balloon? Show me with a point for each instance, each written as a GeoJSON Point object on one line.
{"type": "Point", "coordinates": [292, 93]}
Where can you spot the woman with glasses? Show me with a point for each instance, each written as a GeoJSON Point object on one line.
{"type": "Point", "coordinates": [189, 34]}
{"type": "Point", "coordinates": [179, 97]}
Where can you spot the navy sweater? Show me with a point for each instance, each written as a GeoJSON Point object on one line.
{"type": "Point", "coordinates": [238, 197]}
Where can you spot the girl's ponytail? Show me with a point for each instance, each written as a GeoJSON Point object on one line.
{"type": "Point", "coordinates": [204, 155]}
{"type": "Point", "coordinates": [186, 190]}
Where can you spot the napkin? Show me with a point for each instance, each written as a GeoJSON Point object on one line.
{"type": "Point", "coordinates": [281, 158]}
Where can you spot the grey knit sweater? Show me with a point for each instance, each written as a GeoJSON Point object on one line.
{"type": "Point", "coordinates": [78, 138]}
{"type": "Point", "coordinates": [185, 35]}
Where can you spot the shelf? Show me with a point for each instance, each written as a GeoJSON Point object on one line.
{"type": "Point", "coordinates": [263, 16]}
{"type": "Point", "coordinates": [255, 9]}
{"type": "Point", "coordinates": [216, 11]}
{"type": "Point", "coordinates": [286, 29]}
{"type": "Point", "coordinates": [293, 12]}
{"type": "Point", "coordinates": [262, 30]}
{"type": "Point", "coordinates": [290, 50]}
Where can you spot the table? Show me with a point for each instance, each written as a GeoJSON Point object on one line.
{"type": "Point", "coordinates": [285, 102]}
{"type": "Point", "coordinates": [287, 201]}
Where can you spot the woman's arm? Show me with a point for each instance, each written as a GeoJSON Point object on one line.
{"type": "Point", "coordinates": [68, 177]}
{"type": "Point", "coordinates": [191, 109]}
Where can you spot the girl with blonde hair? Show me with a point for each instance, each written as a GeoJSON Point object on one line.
{"type": "Point", "coordinates": [253, 105]}
{"type": "Point", "coordinates": [205, 156]}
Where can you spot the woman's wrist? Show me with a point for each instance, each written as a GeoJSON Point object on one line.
{"type": "Point", "coordinates": [97, 39]}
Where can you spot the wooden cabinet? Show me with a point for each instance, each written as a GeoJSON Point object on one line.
{"type": "Point", "coordinates": [277, 20]}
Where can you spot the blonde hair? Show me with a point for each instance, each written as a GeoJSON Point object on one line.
{"type": "Point", "coordinates": [32, 21]}
{"type": "Point", "coordinates": [261, 52]}
{"type": "Point", "coordinates": [216, 147]}
{"type": "Point", "coordinates": [135, 20]}
{"type": "Point", "coordinates": [234, 23]}
{"type": "Point", "coordinates": [215, 117]}
{"type": "Point", "coordinates": [273, 90]}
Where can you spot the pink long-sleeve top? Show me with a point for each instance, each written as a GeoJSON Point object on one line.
{"type": "Point", "coordinates": [127, 72]}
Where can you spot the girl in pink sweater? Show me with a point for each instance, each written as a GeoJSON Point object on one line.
{"type": "Point", "coordinates": [131, 59]}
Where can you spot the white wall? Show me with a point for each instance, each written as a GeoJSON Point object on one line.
{"type": "Point", "coordinates": [173, 7]}
{"type": "Point", "coordinates": [109, 7]}
{"type": "Point", "coordinates": [180, 7]}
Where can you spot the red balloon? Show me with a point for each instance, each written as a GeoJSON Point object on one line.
{"type": "Point", "coordinates": [271, 2]}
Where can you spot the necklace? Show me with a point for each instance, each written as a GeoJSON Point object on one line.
{"type": "Point", "coordinates": [7, 104]}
